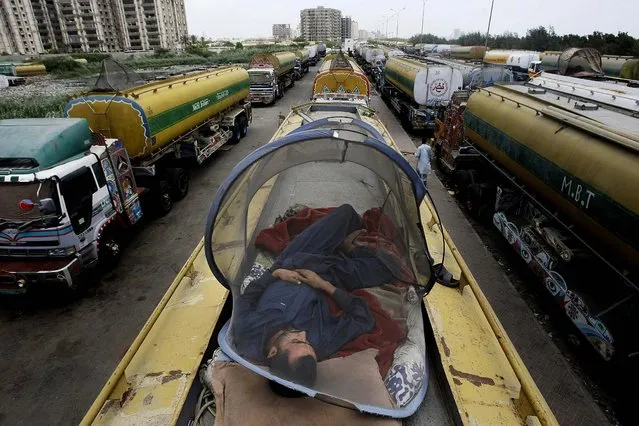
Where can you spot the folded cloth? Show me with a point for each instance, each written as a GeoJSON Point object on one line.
{"type": "Point", "coordinates": [243, 397]}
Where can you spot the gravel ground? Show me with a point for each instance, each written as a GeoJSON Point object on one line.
{"type": "Point", "coordinates": [46, 86]}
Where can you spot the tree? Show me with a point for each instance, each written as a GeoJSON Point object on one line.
{"type": "Point", "coordinates": [426, 38]}
{"type": "Point", "coordinates": [193, 39]}
{"type": "Point", "coordinates": [202, 41]}
{"type": "Point", "coordinates": [472, 39]}
{"type": "Point", "coordinates": [239, 45]}
{"type": "Point", "coordinates": [300, 40]}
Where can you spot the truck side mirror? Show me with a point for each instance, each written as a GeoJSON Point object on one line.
{"type": "Point", "coordinates": [47, 206]}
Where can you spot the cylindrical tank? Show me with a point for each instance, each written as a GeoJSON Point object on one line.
{"type": "Point", "coordinates": [302, 54]}
{"type": "Point", "coordinates": [321, 49]}
{"type": "Point", "coordinates": [336, 77]}
{"type": "Point", "coordinates": [8, 69]}
{"type": "Point", "coordinates": [589, 171]}
{"type": "Point", "coordinates": [612, 65]}
{"type": "Point", "coordinates": [630, 70]}
{"type": "Point", "coordinates": [518, 59]}
{"type": "Point", "coordinates": [468, 52]}
{"type": "Point", "coordinates": [281, 62]}
{"type": "Point", "coordinates": [426, 84]}
{"type": "Point", "coordinates": [149, 117]}
{"type": "Point", "coordinates": [312, 50]}
{"type": "Point", "coordinates": [374, 53]}
{"type": "Point", "coordinates": [28, 70]}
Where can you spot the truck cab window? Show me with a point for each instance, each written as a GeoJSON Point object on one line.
{"type": "Point", "coordinates": [99, 175]}
{"type": "Point", "coordinates": [77, 190]}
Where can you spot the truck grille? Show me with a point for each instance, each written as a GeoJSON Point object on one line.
{"type": "Point", "coordinates": [23, 252]}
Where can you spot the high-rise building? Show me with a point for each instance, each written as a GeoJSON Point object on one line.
{"type": "Point", "coordinates": [456, 33]}
{"type": "Point", "coordinates": [18, 29]}
{"type": "Point", "coordinates": [354, 30]}
{"type": "Point", "coordinates": [35, 26]}
{"type": "Point", "coordinates": [346, 27]}
{"type": "Point", "coordinates": [321, 24]}
{"type": "Point", "coordinates": [281, 31]}
{"type": "Point", "coordinates": [364, 35]}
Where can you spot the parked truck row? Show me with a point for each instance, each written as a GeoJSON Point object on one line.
{"type": "Point", "coordinates": [72, 187]}
{"type": "Point", "coordinates": [552, 164]}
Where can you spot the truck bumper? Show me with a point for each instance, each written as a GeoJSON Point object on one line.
{"type": "Point", "coordinates": [16, 276]}
{"type": "Point", "coordinates": [261, 98]}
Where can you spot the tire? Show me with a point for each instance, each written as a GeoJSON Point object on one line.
{"type": "Point", "coordinates": [237, 133]}
{"type": "Point", "coordinates": [280, 91]}
{"type": "Point", "coordinates": [164, 202]}
{"type": "Point", "coordinates": [244, 125]}
{"type": "Point", "coordinates": [110, 251]}
{"type": "Point", "coordinates": [179, 181]}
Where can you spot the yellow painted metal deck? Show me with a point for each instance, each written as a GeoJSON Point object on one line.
{"type": "Point", "coordinates": [484, 374]}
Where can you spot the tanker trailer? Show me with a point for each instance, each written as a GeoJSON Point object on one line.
{"type": "Point", "coordinates": [374, 59]}
{"type": "Point", "coordinates": [468, 52]}
{"type": "Point", "coordinates": [630, 70]}
{"type": "Point", "coordinates": [474, 75]}
{"type": "Point", "coordinates": [312, 54]}
{"type": "Point", "coordinates": [418, 91]}
{"type": "Point", "coordinates": [555, 166]}
{"type": "Point", "coordinates": [518, 61]}
{"type": "Point", "coordinates": [301, 63]}
{"type": "Point", "coordinates": [341, 78]}
{"type": "Point", "coordinates": [271, 74]}
{"type": "Point", "coordinates": [164, 124]}
{"type": "Point", "coordinates": [321, 50]}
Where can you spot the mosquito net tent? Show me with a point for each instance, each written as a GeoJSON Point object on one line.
{"type": "Point", "coordinates": [318, 237]}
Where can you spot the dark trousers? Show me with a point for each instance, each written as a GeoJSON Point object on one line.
{"type": "Point", "coordinates": [315, 249]}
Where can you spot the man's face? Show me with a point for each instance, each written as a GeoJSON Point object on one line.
{"type": "Point", "coordinates": [295, 343]}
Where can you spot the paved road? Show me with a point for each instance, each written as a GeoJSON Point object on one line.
{"type": "Point", "coordinates": [55, 356]}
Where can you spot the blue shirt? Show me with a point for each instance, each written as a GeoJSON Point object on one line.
{"type": "Point", "coordinates": [269, 305]}
{"type": "Point", "coordinates": [423, 159]}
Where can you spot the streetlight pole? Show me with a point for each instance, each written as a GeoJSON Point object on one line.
{"type": "Point", "coordinates": [397, 12]}
{"type": "Point", "coordinates": [423, 13]}
{"type": "Point", "coordinates": [490, 18]}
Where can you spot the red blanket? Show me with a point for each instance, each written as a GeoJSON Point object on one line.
{"type": "Point", "coordinates": [387, 333]}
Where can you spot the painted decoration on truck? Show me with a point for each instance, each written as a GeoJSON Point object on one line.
{"type": "Point", "coordinates": [439, 87]}
{"type": "Point", "coordinates": [574, 306]}
{"type": "Point", "coordinates": [111, 184]}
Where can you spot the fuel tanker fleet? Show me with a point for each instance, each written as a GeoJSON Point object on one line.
{"type": "Point", "coordinates": [554, 164]}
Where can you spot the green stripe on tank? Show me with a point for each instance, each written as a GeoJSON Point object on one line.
{"type": "Point", "coordinates": [171, 117]}
{"type": "Point", "coordinates": [407, 83]}
{"type": "Point", "coordinates": [600, 207]}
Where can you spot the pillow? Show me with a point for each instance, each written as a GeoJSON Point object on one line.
{"type": "Point", "coordinates": [245, 398]}
{"type": "Point", "coordinates": [356, 374]}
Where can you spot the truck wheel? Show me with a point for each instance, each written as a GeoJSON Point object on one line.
{"type": "Point", "coordinates": [280, 91]}
{"type": "Point", "coordinates": [110, 250]}
{"type": "Point", "coordinates": [237, 132]}
{"type": "Point", "coordinates": [164, 202]}
{"type": "Point", "coordinates": [179, 181]}
{"type": "Point", "coordinates": [244, 125]}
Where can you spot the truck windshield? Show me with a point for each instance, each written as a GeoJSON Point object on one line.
{"type": "Point", "coordinates": [20, 204]}
{"type": "Point", "coordinates": [260, 77]}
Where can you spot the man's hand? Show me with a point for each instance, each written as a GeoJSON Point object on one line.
{"type": "Point", "coordinates": [286, 275]}
{"type": "Point", "coordinates": [315, 281]}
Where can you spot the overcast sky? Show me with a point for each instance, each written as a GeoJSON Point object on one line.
{"type": "Point", "coordinates": [254, 18]}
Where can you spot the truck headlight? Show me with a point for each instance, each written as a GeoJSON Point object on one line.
{"type": "Point", "coordinates": [62, 251]}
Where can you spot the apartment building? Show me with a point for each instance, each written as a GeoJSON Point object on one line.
{"type": "Point", "coordinates": [346, 27]}
{"type": "Point", "coordinates": [281, 31]}
{"type": "Point", "coordinates": [93, 25]}
{"type": "Point", "coordinates": [321, 24]}
{"type": "Point", "coordinates": [18, 29]}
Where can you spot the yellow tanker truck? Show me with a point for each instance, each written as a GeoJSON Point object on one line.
{"type": "Point", "coordinates": [339, 77]}
{"type": "Point", "coordinates": [554, 165]}
{"type": "Point", "coordinates": [77, 183]}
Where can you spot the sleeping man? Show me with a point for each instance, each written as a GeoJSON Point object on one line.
{"type": "Point", "coordinates": [283, 318]}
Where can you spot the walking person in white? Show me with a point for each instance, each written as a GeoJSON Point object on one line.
{"type": "Point", "coordinates": [423, 154]}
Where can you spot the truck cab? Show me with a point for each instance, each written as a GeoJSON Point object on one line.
{"type": "Point", "coordinates": [61, 198]}
{"type": "Point", "coordinates": [264, 87]}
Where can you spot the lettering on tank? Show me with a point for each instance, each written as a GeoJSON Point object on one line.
{"type": "Point", "coordinates": [577, 192]}
{"type": "Point", "coordinates": [201, 104]}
